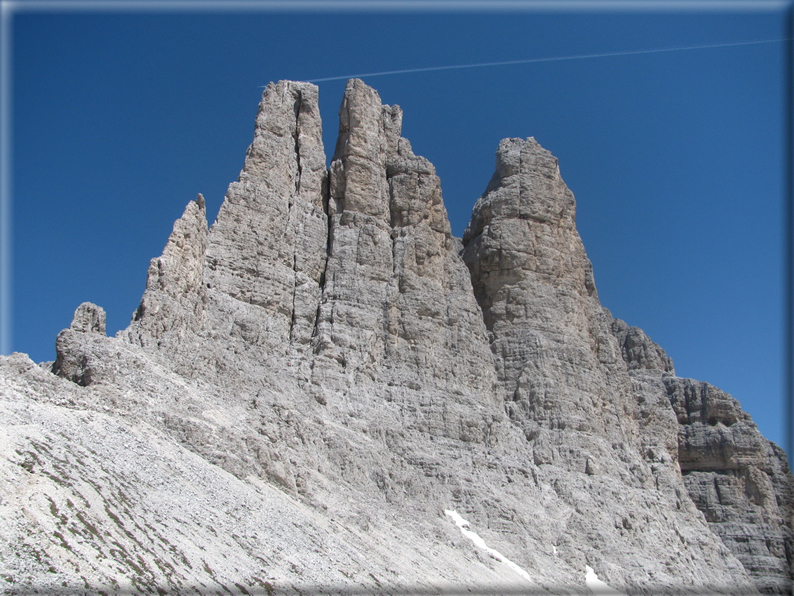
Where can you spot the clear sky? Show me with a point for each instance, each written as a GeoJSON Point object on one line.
{"type": "Point", "coordinates": [675, 158]}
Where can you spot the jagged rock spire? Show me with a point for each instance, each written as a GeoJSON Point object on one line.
{"type": "Point", "coordinates": [534, 283]}
{"type": "Point", "coordinates": [174, 301]}
{"type": "Point", "coordinates": [397, 304]}
{"type": "Point", "coordinates": [267, 248]}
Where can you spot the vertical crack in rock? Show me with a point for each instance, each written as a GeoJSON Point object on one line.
{"type": "Point", "coordinates": [321, 282]}
{"type": "Point", "coordinates": [310, 218]}
{"type": "Point", "coordinates": [267, 248]}
{"type": "Point", "coordinates": [296, 136]}
{"type": "Point", "coordinates": [357, 270]}
{"type": "Point", "coordinates": [293, 318]}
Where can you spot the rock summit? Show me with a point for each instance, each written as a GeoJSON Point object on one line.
{"type": "Point", "coordinates": [326, 392]}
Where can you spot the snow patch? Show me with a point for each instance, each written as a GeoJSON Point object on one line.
{"type": "Point", "coordinates": [479, 542]}
{"type": "Point", "coordinates": [597, 586]}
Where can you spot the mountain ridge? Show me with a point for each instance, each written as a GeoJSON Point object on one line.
{"type": "Point", "coordinates": [327, 337]}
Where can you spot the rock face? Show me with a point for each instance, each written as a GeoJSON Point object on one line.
{"type": "Point", "coordinates": [327, 392]}
{"type": "Point", "coordinates": [738, 479]}
{"type": "Point", "coordinates": [70, 362]}
{"type": "Point", "coordinates": [556, 357]}
{"type": "Point", "coordinates": [173, 303]}
{"type": "Point", "coordinates": [397, 306]}
{"type": "Point", "coordinates": [267, 248]}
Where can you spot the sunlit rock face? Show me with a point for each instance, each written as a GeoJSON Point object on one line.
{"type": "Point", "coordinates": [266, 250]}
{"type": "Point", "coordinates": [562, 362]}
{"type": "Point", "coordinates": [557, 359]}
{"type": "Point", "coordinates": [325, 391]}
{"type": "Point", "coordinates": [397, 305]}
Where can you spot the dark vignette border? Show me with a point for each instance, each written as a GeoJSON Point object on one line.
{"type": "Point", "coordinates": [393, 590]}
{"type": "Point", "coordinates": [788, 261]}
{"type": "Point", "coordinates": [403, 590]}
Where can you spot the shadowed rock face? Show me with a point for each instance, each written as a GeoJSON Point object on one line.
{"type": "Point", "coordinates": [311, 383]}
{"type": "Point", "coordinates": [738, 479]}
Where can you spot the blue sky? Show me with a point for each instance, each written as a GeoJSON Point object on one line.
{"type": "Point", "coordinates": [675, 158]}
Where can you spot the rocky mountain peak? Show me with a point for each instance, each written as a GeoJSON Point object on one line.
{"type": "Point", "coordinates": [326, 392]}
{"type": "Point", "coordinates": [287, 151]}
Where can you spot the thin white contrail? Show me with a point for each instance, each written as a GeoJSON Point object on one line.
{"type": "Point", "coordinates": [536, 60]}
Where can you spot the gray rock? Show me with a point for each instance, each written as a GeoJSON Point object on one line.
{"type": "Point", "coordinates": [70, 361]}
{"type": "Point", "coordinates": [738, 479]}
{"type": "Point", "coordinates": [267, 249]}
{"type": "Point", "coordinates": [397, 306]}
{"type": "Point", "coordinates": [89, 318]}
{"type": "Point", "coordinates": [308, 386]}
{"type": "Point", "coordinates": [557, 359]}
{"type": "Point", "coordinates": [173, 304]}
{"type": "Point", "coordinates": [536, 289]}
{"type": "Point", "coordinates": [638, 351]}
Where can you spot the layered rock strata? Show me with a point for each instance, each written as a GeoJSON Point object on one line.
{"type": "Point", "coordinates": [322, 375]}
{"type": "Point", "coordinates": [738, 479]}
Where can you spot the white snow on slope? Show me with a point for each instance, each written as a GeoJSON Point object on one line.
{"type": "Point", "coordinates": [597, 586]}
{"type": "Point", "coordinates": [479, 542]}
